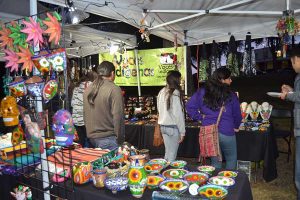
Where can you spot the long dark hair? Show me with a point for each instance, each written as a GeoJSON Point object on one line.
{"type": "Point", "coordinates": [216, 92]}
{"type": "Point", "coordinates": [103, 70]}
{"type": "Point", "coordinates": [173, 83]}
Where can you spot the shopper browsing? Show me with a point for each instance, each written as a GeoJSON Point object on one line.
{"type": "Point", "coordinates": [205, 106]}
{"type": "Point", "coordinates": [104, 109]}
{"type": "Point", "coordinates": [171, 115]}
{"type": "Point", "coordinates": [288, 93]}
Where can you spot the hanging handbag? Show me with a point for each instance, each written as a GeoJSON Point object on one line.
{"type": "Point", "coordinates": [157, 139]}
{"type": "Point", "coordinates": [209, 139]}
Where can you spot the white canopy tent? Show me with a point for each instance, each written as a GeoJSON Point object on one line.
{"type": "Point", "coordinates": [202, 20]}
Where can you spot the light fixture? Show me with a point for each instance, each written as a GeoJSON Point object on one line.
{"type": "Point", "coordinates": [113, 49]}
{"type": "Point", "coordinates": [75, 16]}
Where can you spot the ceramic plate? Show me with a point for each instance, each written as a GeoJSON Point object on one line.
{"type": "Point", "coordinates": [230, 174]}
{"type": "Point", "coordinates": [206, 168]}
{"type": "Point", "coordinates": [199, 178]}
{"type": "Point", "coordinates": [213, 192]}
{"type": "Point", "coordinates": [275, 94]}
{"type": "Point", "coordinates": [174, 185]}
{"type": "Point", "coordinates": [174, 173]}
{"type": "Point", "coordinates": [159, 160]}
{"type": "Point", "coordinates": [153, 168]}
{"type": "Point", "coordinates": [221, 181]}
{"type": "Point", "coordinates": [178, 164]}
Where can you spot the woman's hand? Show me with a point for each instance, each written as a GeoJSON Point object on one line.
{"type": "Point", "coordinates": [283, 95]}
{"type": "Point", "coordinates": [236, 130]}
{"type": "Point", "coordinates": [286, 88]}
{"type": "Point", "coordinates": [181, 139]}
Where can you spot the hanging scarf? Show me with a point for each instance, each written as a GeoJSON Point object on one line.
{"type": "Point", "coordinates": [248, 58]}
{"type": "Point", "coordinates": [232, 60]}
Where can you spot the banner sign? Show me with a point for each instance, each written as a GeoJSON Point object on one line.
{"type": "Point", "coordinates": [154, 65]}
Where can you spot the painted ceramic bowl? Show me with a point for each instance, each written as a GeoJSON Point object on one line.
{"type": "Point", "coordinates": [153, 181]}
{"type": "Point", "coordinates": [213, 192]}
{"type": "Point", "coordinates": [221, 181]}
{"type": "Point", "coordinates": [161, 161]}
{"type": "Point", "coordinates": [206, 169]}
{"type": "Point", "coordinates": [230, 174]}
{"type": "Point", "coordinates": [178, 164]}
{"type": "Point", "coordinates": [199, 178]}
{"type": "Point", "coordinates": [174, 173]}
{"type": "Point", "coordinates": [153, 168]}
{"type": "Point", "coordinates": [18, 88]}
{"type": "Point", "coordinates": [116, 184]}
{"type": "Point", "coordinates": [174, 185]}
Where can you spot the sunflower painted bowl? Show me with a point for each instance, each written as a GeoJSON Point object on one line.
{"type": "Point", "coordinates": [116, 184]}
{"type": "Point", "coordinates": [221, 181]}
{"type": "Point", "coordinates": [178, 164]}
{"type": "Point", "coordinates": [199, 178]}
{"type": "Point", "coordinates": [18, 88]}
{"type": "Point", "coordinates": [174, 185]}
{"type": "Point", "coordinates": [206, 169]}
{"type": "Point", "coordinates": [153, 181]}
{"type": "Point", "coordinates": [212, 192]}
{"type": "Point", "coordinates": [161, 161]}
{"type": "Point", "coordinates": [230, 174]}
{"type": "Point", "coordinates": [153, 168]}
{"type": "Point", "coordinates": [174, 173]}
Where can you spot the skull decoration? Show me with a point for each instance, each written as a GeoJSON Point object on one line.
{"type": "Point", "coordinates": [63, 128]}
{"type": "Point", "coordinates": [9, 111]}
{"type": "Point", "coordinates": [22, 193]}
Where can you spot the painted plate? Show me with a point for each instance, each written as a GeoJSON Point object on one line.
{"type": "Point", "coordinates": [200, 178]}
{"type": "Point", "coordinates": [178, 164]}
{"type": "Point", "coordinates": [153, 181]}
{"type": "Point", "coordinates": [230, 174]}
{"type": "Point", "coordinates": [153, 168]}
{"type": "Point", "coordinates": [213, 192]}
{"type": "Point", "coordinates": [159, 160]}
{"type": "Point", "coordinates": [206, 169]}
{"type": "Point", "coordinates": [174, 173]}
{"type": "Point", "coordinates": [174, 185]}
{"type": "Point", "coordinates": [221, 181]}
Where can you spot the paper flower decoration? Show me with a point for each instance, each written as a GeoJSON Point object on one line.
{"type": "Point", "coordinates": [25, 58]}
{"type": "Point", "coordinates": [54, 28]}
{"type": "Point", "coordinates": [17, 36]}
{"type": "Point", "coordinates": [6, 41]}
{"type": "Point", "coordinates": [12, 59]}
{"type": "Point", "coordinates": [34, 32]}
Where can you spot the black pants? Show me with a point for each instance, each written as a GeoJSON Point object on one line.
{"type": "Point", "coordinates": [82, 135]}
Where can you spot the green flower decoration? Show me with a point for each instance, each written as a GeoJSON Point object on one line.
{"type": "Point", "coordinates": [18, 37]}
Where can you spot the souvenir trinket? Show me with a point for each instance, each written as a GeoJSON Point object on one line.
{"type": "Point", "coordinates": [9, 111]}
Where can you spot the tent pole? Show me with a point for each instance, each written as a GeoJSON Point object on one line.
{"type": "Point", "coordinates": [138, 71]}
{"type": "Point", "coordinates": [39, 108]}
{"type": "Point", "coordinates": [287, 4]}
{"type": "Point", "coordinates": [243, 12]}
{"type": "Point", "coordinates": [199, 14]}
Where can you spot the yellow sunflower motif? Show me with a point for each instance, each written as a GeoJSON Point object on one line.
{"type": "Point", "coordinates": [178, 186]}
{"type": "Point", "coordinates": [148, 167]}
{"type": "Point", "coordinates": [135, 175]}
{"type": "Point", "coordinates": [170, 185]}
{"type": "Point", "coordinates": [209, 193]}
{"type": "Point", "coordinates": [218, 193]}
{"type": "Point", "coordinates": [151, 180]}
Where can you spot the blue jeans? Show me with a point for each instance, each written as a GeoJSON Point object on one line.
{"type": "Point", "coordinates": [297, 166]}
{"type": "Point", "coordinates": [228, 148]}
{"type": "Point", "coordinates": [171, 137]}
{"type": "Point", "coordinates": [105, 143]}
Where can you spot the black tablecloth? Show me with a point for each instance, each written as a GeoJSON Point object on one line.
{"type": "Point", "coordinates": [251, 146]}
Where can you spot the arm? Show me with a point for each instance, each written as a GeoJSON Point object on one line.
{"type": "Point", "coordinates": [294, 97]}
{"type": "Point", "coordinates": [236, 112]}
{"type": "Point", "coordinates": [73, 97]}
{"type": "Point", "coordinates": [178, 114]}
{"type": "Point", "coordinates": [117, 109]}
{"type": "Point", "coordinates": [194, 105]}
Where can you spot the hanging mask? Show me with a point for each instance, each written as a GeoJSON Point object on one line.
{"type": "Point", "coordinates": [63, 128]}
{"type": "Point", "coordinates": [50, 89]}
{"type": "Point", "coordinates": [42, 63]}
{"type": "Point", "coordinates": [58, 60]}
{"type": "Point", "coordinates": [9, 111]}
{"type": "Point", "coordinates": [35, 86]}
{"type": "Point", "coordinates": [18, 88]}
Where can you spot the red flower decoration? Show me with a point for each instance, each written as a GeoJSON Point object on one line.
{"type": "Point", "coordinates": [25, 58]}
{"type": "Point", "coordinates": [54, 28]}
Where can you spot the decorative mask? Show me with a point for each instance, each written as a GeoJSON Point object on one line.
{"type": "Point", "coordinates": [17, 135]}
{"type": "Point", "coordinates": [42, 63]}
{"type": "Point", "coordinates": [35, 86]}
{"type": "Point", "coordinates": [245, 114]}
{"type": "Point", "coordinates": [63, 128]}
{"type": "Point", "coordinates": [50, 90]}
{"type": "Point", "coordinates": [253, 109]}
{"type": "Point", "coordinates": [265, 111]}
{"type": "Point", "coordinates": [58, 60]}
{"type": "Point", "coordinates": [9, 111]}
{"type": "Point", "coordinates": [18, 88]}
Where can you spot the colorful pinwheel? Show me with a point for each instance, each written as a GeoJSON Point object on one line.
{"type": "Point", "coordinates": [34, 32]}
{"type": "Point", "coordinates": [25, 58]}
{"type": "Point", "coordinates": [17, 36]}
{"type": "Point", "coordinates": [6, 41]}
{"type": "Point", "coordinates": [12, 59]}
{"type": "Point", "coordinates": [54, 28]}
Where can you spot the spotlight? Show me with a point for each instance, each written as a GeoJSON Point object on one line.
{"type": "Point", "coordinates": [75, 16]}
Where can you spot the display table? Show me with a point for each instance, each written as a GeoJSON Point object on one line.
{"type": "Point", "coordinates": [251, 146]}
{"type": "Point", "coordinates": [241, 190]}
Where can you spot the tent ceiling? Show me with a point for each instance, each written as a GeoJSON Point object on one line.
{"type": "Point", "coordinates": [236, 17]}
